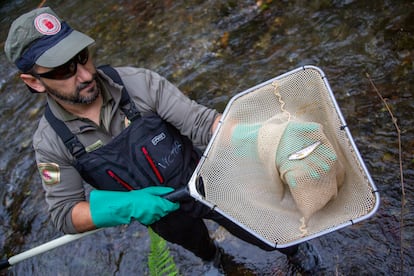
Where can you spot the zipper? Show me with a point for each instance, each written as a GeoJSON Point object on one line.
{"type": "Point", "coordinates": [152, 165]}
{"type": "Point", "coordinates": [119, 180]}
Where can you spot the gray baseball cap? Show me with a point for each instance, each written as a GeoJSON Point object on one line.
{"type": "Point", "coordinates": [41, 37]}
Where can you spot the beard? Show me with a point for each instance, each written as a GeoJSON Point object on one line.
{"type": "Point", "coordinates": [76, 97]}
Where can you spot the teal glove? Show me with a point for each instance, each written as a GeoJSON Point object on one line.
{"type": "Point", "coordinates": [244, 140]}
{"type": "Point", "coordinates": [111, 208]}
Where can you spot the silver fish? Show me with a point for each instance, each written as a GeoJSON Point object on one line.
{"type": "Point", "coordinates": [304, 152]}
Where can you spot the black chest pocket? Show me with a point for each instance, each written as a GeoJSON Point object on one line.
{"type": "Point", "coordinates": [149, 152]}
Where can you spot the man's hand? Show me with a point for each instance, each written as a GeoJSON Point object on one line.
{"type": "Point", "coordinates": [110, 208]}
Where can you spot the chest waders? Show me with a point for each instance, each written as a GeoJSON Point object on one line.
{"type": "Point", "coordinates": [148, 152]}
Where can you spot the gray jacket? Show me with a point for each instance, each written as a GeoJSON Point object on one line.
{"type": "Point", "coordinates": [62, 183]}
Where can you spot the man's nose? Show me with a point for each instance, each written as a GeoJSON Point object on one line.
{"type": "Point", "coordinates": [83, 74]}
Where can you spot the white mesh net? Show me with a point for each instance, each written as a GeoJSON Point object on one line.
{"type": "Point", "coordinates": [246, 177]}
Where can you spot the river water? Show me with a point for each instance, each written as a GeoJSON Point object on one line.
{"type": "Point", "coordinates": [212, 50]}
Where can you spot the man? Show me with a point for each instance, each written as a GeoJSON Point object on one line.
{"type": "Point", "coordinates": [131, 138]}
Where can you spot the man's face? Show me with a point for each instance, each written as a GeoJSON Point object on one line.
{"type": "Point", "coordinates": [81, 88]}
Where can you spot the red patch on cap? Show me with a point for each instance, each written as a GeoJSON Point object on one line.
{"type": "Point", "coordinates": [47, 24]}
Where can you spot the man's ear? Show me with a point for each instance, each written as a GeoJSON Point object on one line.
{"type": "Point", "coordinates": [33, 82]}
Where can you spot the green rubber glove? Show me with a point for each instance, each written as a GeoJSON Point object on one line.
{"type": "Point", "coordinates": [111, 208]}
{"type": "Point", "coordinates": [244, 140]}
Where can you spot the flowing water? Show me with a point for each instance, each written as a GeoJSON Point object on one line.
{"type": "Point", "coordinates": [212, 50]}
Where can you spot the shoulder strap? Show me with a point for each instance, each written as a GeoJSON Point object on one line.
{"type": "Point", "coordinates": [113, 74]}
{"type": "Point", "coordinates": [69, 139]}
{"type": "Point", "coordinates": [132, 112]}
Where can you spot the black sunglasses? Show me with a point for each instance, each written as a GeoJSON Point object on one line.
{"type": "Point", "coordinates": [68, 69]}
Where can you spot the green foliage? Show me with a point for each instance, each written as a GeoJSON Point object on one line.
{"type": "Point", "coordinates": [160, 262]}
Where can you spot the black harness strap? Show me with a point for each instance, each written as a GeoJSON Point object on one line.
{"type": "Point", "coordinates": [69, 139]}
{"type": "Point", "coordinates": [131, 112]}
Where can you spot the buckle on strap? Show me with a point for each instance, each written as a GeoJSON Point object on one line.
{"type": "Point", "coordinates": [75, 147]}
{"type": "Point", "coordinates": [132, 112]}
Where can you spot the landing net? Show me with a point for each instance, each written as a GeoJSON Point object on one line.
{"type": "Point", "coordinates": [245, 169]}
